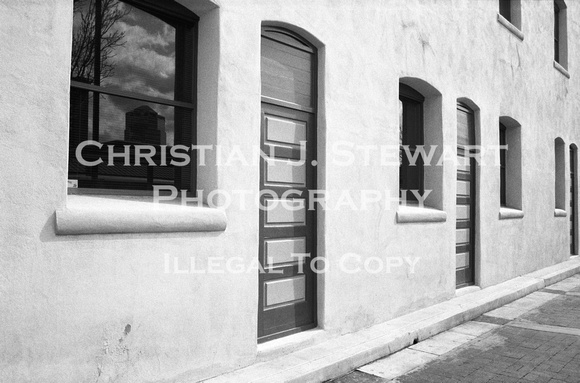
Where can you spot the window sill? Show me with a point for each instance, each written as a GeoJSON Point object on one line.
{"type": "Point", "coordinates": [509, 213]}
{"type": "Point", "coordinates": [120, 215]}
{"type": "Point", "coordinates": [560, 213]}
{"type": "Point", "coordinates": [408, 214]}
{"type": "Point", "coordinates": [561, 69]}
{"type": "Point", "coordinates": [510, 27]}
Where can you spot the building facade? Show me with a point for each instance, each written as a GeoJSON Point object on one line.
{"type": "Point", "coordinates": [356, 160]}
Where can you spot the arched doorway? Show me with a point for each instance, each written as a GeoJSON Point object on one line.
{"type": "Point", "coordinates": [287, 287]}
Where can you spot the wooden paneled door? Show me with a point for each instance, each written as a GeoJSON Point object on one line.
{"type": "Point", "coordinates": [287, 287]}
{"type": "Point", "coordinates": [466, 198]}
{"type": "Point", "coordinates": [573, 187]}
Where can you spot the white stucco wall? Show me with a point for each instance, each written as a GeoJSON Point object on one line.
{"type": "Point", "coordinates": [66, 301]}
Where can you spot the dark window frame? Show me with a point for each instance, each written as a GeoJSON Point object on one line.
{"type": "Point", "coordinates": [411, 133]}
{"type": "Point", "coordinates": [557, 14]}
{"type": "Point", "coordinates": [560, 174]}
{"type": "Point", "coordinates": [503, 163]}
{"type": "Point", "coordinates": [185, 23]}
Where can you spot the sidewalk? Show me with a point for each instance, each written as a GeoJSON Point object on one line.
{"type": "Point", "coordinates": [312, 357]}
{"type": "Point", "coordinates": [533, 339]}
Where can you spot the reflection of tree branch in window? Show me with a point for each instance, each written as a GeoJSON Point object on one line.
{"type": "Point", "coordinates": [83, 52]}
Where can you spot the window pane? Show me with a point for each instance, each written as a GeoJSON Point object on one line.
{"type": "Point", "coordinates": [502, 160]}
{"type": "Point", "coordinates": [410, 135]}
{"type": "Point", "coordinates": [556, 32]}
{"type": "Point", "coordinates": [286, 73]}
{"type": "Point", "coordinates": [119, 122]}
{"type": "Point", "coordinates": [412, 122]}
{"type": "Point", "coordinates": [137, 49]}
{"type": "Point", "coordinates": [505, 9]}
{"type": "Point", "coordinates": [83, 49]}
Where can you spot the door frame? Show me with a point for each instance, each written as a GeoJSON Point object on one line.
{"type": "Point", "coordinates": [573, 190]}
{"type": "Point", "coordinates": [314, 216]}
{"type": "Point", "coordinates": [470, 107]}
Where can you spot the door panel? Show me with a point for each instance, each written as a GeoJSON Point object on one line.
{"type": "Point", "coordinates": [465, 199]}
{"type": "Point", "coordinates": [462, 260]}
{"type": "Point", "coordinates": [281, 250]}
{"type": "Point", "coordinates": [286, 172]}
{"type": "Point", "coordinates": [284, 131]}
{"type": "Point", "coordinates": [285, 211]}
{"type": "Point", "coordinates": [285, 290]}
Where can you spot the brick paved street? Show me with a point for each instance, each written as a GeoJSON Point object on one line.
{"type": "Point", "coordinates": [562, 311]}
{"type": "Point", "coordinates": [506, 355]}
{"type": "Point", "coordinates": [534, 339]}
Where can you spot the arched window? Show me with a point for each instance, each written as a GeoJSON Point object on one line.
{"type": "Point", "coordinates": [421, 143]}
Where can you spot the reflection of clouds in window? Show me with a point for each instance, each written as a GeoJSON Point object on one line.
{"type": "Point", "coordinates": [155, 34]}
{"type": "Point", "coordinates": [150, 62]}
{"type": "Point", "coordinates": [145, 63]}
{"type": "Point", "coordinates": [124, 7]}
{"type": "Point", "coordinates": [132, 84]}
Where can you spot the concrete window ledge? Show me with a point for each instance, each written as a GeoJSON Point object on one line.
{"type": "Point", "coordinates": [408, 214]}
{"type": "Point", "coordinates": [509, 213]}
{"type": "Point", "coordinates": [560, 213]}
{"type": "Point", "coordinates": [510, 27]}
{"type": "Point", "coordinates": [115, 215]}
{"type": "Point", "coordinates": [561, 69]}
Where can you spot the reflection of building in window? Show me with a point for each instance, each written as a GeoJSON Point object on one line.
{"type": "Point", "coordinates": [144, 125]}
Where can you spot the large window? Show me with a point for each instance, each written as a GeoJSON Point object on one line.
{"type": "Point", "coordinates": [410, 138]}
{"type": "Point", "coordinates": [132, 98]}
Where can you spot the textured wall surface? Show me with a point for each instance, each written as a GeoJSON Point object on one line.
{"type": "Point", "coordinates": [102, 308]}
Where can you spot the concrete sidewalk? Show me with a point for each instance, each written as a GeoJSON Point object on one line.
{"type": "Point", "coordinates": [335, 357]}
{"type": "Point", "coordinates": [533, 339]}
